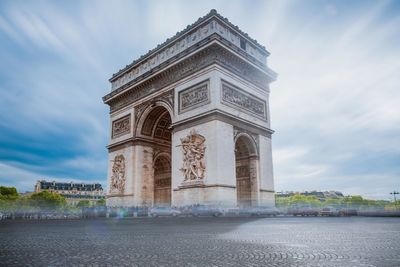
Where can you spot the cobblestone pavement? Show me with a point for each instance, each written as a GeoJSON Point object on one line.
{"type": "Point", "coordinates": [287, 241]}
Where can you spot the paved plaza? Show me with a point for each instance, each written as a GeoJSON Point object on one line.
{"type": "Point", "coordinates": [289, 241]}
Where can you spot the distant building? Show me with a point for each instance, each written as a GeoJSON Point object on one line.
{"type": "Point", "coordinates": [73, 192]}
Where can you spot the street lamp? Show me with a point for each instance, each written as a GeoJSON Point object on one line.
{"type": "Point", "coordinates": [394, 193]}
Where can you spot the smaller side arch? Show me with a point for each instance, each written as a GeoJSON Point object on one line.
{"type": "Point", "coordinates": [249, 141]}
{"type": "Point", "coordinates": [162, 155]}
{"type": "Point", "coordinates": [162, 180]}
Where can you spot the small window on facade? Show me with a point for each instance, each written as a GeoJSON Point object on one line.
{"type": "Point", "coordinates": [243, 44]}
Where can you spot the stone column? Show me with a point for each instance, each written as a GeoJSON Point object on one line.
{"type": "Point", "coordinates": [144, 175]}
{"type": "Point", "coordinates": [255, 180]}
{"type": "Point", "coordinates": [267, 193]}
{"type": "Point", "coordinates": [121, 198]}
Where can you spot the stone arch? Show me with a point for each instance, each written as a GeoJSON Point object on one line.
{"type": "Point", "coordinates": [149, 110]}
{"type": "Point", "coordinates": [250, 142]}
{"type": "Point", "coordinates": [246, 164]}
{"type": "Point", "coordinates": [162, 180]}
{"type": "Point", "coordinates": [154, 131]}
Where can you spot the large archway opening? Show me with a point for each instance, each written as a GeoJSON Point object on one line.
{"type": "Point", "coordinates": [156, 129]}
{"type": "Point", "coordinates": [246, 176]}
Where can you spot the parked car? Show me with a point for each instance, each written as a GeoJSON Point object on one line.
{"type": "Point", "coordinates": [203, 210]}
{"type": "Point", "coordinates": [329, 212]}
{"type": "Point", "coordinates": [164, 211]}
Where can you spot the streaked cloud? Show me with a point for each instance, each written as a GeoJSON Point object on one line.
{"type": "Point", "coordinates": [335, 106]}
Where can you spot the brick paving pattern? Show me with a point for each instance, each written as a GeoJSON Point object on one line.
{"type": "Point", "coordinates": [354, 241]}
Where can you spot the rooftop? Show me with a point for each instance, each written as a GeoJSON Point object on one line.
{"type": "Point", "coordinates": [69, 186]}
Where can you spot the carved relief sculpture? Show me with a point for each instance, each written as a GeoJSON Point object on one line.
{"type": "Point", "coordinates": [117, 185]}
{"type": "Point", "coordinates": [194, 96]}
{"type": "Point", "coordinates": [238, 98]}
{"type": "Point", "coordinates": [121, 126]}
{"type": "Point", "coordinates": [193, 149]}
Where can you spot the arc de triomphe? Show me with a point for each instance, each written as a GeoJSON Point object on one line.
{"type": "Point", "coordinates": [190, 121]}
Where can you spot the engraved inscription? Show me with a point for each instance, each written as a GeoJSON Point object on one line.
{"type": "Point", "coordinates": [194, 96]}
{"type": "Point", "coordinates": [121, 126]}
{"type": "Point", "coordinates": [236, 97]}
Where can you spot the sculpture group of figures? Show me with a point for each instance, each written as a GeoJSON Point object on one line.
{"type": "Point", "coordinates": [118, 175]}
{"type": "Point", "coordinates": [193, 156]}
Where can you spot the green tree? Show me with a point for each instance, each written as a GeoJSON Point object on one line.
{"type": "Point", "coordinates": [46, 200]}
{"type": "Point", "coordinates": [8, 193]}
{"type": "Point", "coordinates": [298, 200]}
{"type": "Point", "coordinates": [101, 202]}
{"type": "Point", "coordinates": [8, 198]}
{"type": "Point", "coordinates": [332, 202]}
{"type": "Point", "coordinates": [83, 204]}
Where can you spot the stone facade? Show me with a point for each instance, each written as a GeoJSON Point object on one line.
{"type": "Point", "coordinates": [190, 122]}
{"type": "Point", "coordinates": [72, 192]}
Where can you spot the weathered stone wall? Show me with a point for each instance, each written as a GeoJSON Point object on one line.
{"type": "Point", "coordinates": [219, 180]}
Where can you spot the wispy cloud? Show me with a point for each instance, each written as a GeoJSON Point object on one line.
{"type": "Point", "coordinates": [335, 106]}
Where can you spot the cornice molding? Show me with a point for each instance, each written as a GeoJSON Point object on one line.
{"type": "Point", "coordinates": [245, 126]}
{"type": "Point", "coordinates": [183, 187]}
{"type": "Point", "coordinates": [215, 53]}
{"type": "Point", "coordinates": [132, 141]}
{"type": "Point", "coordinates": [267, 190]}
{"type": "Point", "coordinates": [212, 23]}
{"type": "Point", "coordinates": [217, 114]}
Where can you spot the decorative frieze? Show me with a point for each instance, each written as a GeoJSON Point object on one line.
{"type": "Point", "coordinates": [121, 126]}
{"type": "Point", "coordinates": [117, 183]}
{"type": "Point", "coordinates": [194, 96]}
{"type": "Point", "coordinates": [238, 98]}
{"type": "Point", "coordinates": [214, 54]}
{"type": "Point", "coordinates": [174, 46]}
{"type": "Point", "coordinates": [165, 54]}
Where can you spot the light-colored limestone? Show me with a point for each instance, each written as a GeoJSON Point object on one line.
{"type": "Point", "coordinates": [219, 119]}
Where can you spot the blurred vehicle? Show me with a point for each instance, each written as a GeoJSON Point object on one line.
{"type": "Point", "coordinates": [303, 211]}
{"type": "Point", "coordinates": [258, 211]}
{"type": "Point", "coordinates": [164, 211]}
{"type": "Point", "coordinates": [266, 211]}
{"type": "Point", "coordinates": [348, 212]}
{"type": "Point", "coordinates": [142, 211]}
{"type": "Point", "coordinates": [203, 210]}
{"type": "Point", "coordinates": [186, 210]}
{"type": "Point", "coordinates": [231, 212]}
{"type": "Point", "coordinates": [380, 213]}
{"type": "Point", "coordinates": [327, 211]}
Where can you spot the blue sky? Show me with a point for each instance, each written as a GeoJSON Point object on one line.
{"type": "Point", "coordinates": [335, 107]}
